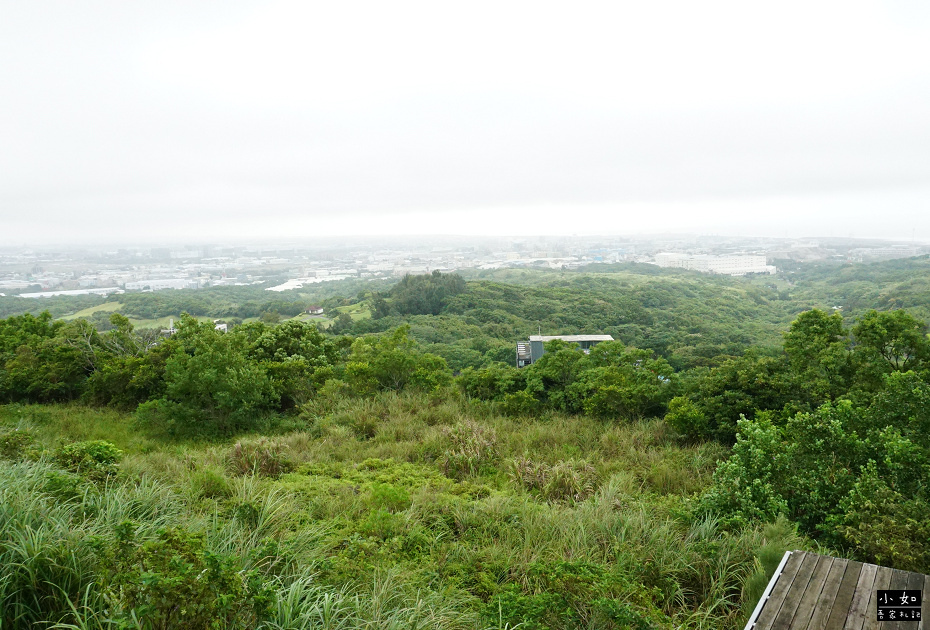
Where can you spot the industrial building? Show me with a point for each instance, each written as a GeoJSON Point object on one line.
{"type": "Point", "coordinates": [163, 283]}
{"type": "Point", "coordinates": [530, 351]}
{"type": "Point", "coordinates": [730, 265]}
{"type": "Point", "coordinates": [863, 254]}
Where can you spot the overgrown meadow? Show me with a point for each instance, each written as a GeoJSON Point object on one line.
{"type": "Point", "coordinates": [397, 511]}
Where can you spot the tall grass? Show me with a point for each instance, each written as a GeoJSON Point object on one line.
{"type": "Point", "coordinates": [399, 511]}
{"type": "Point", "coordinates": [51, 533]}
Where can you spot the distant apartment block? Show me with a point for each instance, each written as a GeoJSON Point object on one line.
{"type": "Point", "coordinates": [16, 284]}
{"type": "Point", "coordinates": [862, 254]}
{"type": "Point", "coordinates": [730, 265]}
{"type": "Point", "coordinates": [530, 351]}
{"type": "Point", "coordinates": [104, 292]}
{"type": "Point", "coordinates": [158, 285]}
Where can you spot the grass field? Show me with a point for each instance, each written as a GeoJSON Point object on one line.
{"type": "Point", "coordinates": [356, 311]}
{"type": "Point", "coordinates": [468, 518]}
{"type": "Point", "coordinates": [322, 322]}
{"type": "Point", "coordinates": [162, 322]}
{"type": "Point", "coordinates": [107, 307]}
{"type": "Point", "coordinates": [110, 307]}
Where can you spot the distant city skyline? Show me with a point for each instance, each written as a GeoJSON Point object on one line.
{"type": "Point", "coordinates": [38, 274]}
{"type": "Point", "coordinates": [151, 122]}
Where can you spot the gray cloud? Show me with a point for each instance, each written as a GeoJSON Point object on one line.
{"type": "Point", "coordinates": [123, 119]}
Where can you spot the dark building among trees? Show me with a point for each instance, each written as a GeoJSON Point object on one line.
{"type": "Point", "coordinates": [530, 351]}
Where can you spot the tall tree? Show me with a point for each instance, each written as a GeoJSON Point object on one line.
{"type": "Point", "coordinates": [817, 346]}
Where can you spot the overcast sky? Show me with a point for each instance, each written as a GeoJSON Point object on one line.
{"type": "Point", "coordinates": [204, 121]}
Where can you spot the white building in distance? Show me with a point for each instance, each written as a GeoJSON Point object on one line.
{"type": "Point", "coordinates": [104, 292]}
{"type": "Point", "coordinates": [161, 284]}
{"type": "Point", "coordinates": [863, 254]}
{"type": "Point", "coordinates": [730, 264]}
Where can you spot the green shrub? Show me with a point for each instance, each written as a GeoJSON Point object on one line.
{"type": "Point", "coordinates": [492, 382]}
{"type": "Point", "coordinates": [381, 524]}
{"type": "Point", "coordinates": [259, 457]}
{"type": "Point", "coordinates": [521, 403]}
{"type": "Point", "coordinates": [64, 486]}
{"type": "Point", "coordinates": [389, 497]}
{"type": "Point", "coordinates": [17, 443]}
{"type": "Point", "coordinates": [563, 595]}
{"type": "Point", "coordinates": [174, 582]}
{"type": "Point", "coordinates": [212, 386]}
{"type": "Point", "coordinates": [95, 459]}
{"type": "Point", "coordinates": [566, 480]}
{"type": "Point", "coordinates": [210, 484]}
{"type": "Point", "coordinates": [471, 447]}
{"type": "Point", "coordinates": [687, 418]}
{"type": "Point", "coordinates": [884, 526]}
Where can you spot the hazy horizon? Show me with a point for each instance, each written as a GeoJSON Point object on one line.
{"type": "Point", "coordinates": [173, 121]}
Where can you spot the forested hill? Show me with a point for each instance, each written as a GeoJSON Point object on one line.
{"type": "Point", "coordinates": [689, 320]}
{"type": "Point", "coordinates": [903, 283]}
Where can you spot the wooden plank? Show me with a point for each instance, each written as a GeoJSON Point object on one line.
{"type": "Point", "coordinates": [860, 601]}
{"type": "Point", "coordinates": [823, 607]}
{"type": "Point", "coordinates": [925, 606]}
{"type": "Point", "coordinates": [900, 581]}
{"type": "Point", "coordinates": [802, 617]}
{"type": "Point", "coordinates": [882, 581]}
{"type": "Point", "coordinates": [777, 596]}
{"type": "Point", "coordinates": [796, 592]}
{"type": "Point", "coordinates": [844, 596]}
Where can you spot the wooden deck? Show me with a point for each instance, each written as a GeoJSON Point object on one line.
{"type": "Point", "coordinates": [813, 592]}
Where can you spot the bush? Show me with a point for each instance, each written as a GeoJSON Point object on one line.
{"type": "Point", "coordinates": [392, 363]}
{"type": "Point", "coordinates": [687, 418]}
{"type": "Point", "coordinates": [884, 526]}
{"type": "Point", "coordinates": [472, 446]}
{"type": "Point", "coordinates": [389, 497]}
{"type": "Point", "coordinates": [64, 486]}
{"type": "Point", "coordinates": [520, 403]}
{"type": "Point", "coordinates": [95, 459]}
{"type": "Point", "coordinates": [566, 595]}
{"type": "Point", "coordinates": [210, 484]}
{"type": "Point", "coordinates": [212, 387]}
{"type": "Point", "coordinates": [492, 382]}
{"type": "Point", "coordinates": [174, 582]}
{"type": "Point", "coordinates": [381, 524]}
{"type": "Point", "coordinates": [566, 480]}
{"type": "Point", "coordinates": [16, 443]}
{"type": "Point", "coordinates": [260, 457]}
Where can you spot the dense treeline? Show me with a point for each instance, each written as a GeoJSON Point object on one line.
{"type": "Point", "coordinates": [860, 287]}
{"type": "Point", "coordinates": [206, 381]}
{"type": "Point", "coordinates": [199, 377]}
{"type": "Point", "coordinates": [418, 295]}
{"type": "Point", "coordinates": [822, 361]}
{"type": "Point", "coordinates": [833, 433]}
